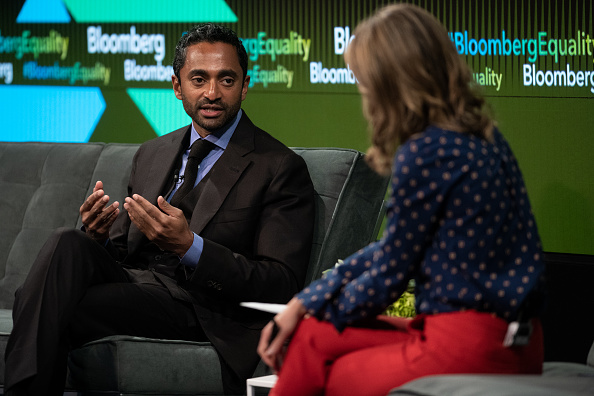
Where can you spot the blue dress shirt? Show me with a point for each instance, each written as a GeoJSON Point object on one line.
{"type": "Point", "coordinates": [221, 140]}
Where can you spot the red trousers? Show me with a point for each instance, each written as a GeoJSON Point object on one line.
{"type": "Point", "coordinates": [372, 361]}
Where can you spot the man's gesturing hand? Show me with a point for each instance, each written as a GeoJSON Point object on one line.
{"type": "Point", "coordinates": [96, 217]}
{"type": "Point", "coordinates": [168, 227]}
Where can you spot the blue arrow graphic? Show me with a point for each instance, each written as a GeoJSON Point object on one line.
{"type": "Point", "coordinates": [50, 114]}
{"type": "Point", "coordinates": [43, 11]}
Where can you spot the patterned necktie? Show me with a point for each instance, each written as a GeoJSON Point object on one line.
{"type": "Point", "coordinates": [198, 152]}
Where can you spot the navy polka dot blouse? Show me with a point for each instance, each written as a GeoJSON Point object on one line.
{"type": "Point", "coordinates": [458, 222]}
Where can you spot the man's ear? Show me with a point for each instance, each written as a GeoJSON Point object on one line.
{"type": "Point", "coordinates": [176, 87]}
{"type": "Point", "coordinates": [244, 88]}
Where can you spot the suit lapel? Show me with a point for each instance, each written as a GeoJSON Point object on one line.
{"type": "Point", "coordinates": [213, 189]}
{"type": "Point", "coordinates": [161, 172]}
{"type": "Point", "coordinates": [158, 177]}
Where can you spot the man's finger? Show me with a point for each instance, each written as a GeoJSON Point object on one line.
{"type": "Point", "coordinates": [99, 206]}
{"type": "Point", "coordinates": [142, 212]}
{"type": "Point", "coordinates": [108, 212]}
{"type": "Point", "coordinates": [167, 208]}
{"type": "Point", "coordinates": [98, 186]}
{"type": "Point", "coordinates": [109, 219]}
{"type": "Point", "coordinates": [144, 204]}
{"type": "Point", "coordinates": [92, 200]}
{"type": "Point", "coordinates": [133, 207]}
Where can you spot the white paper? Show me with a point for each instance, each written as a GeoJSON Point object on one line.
{"type": "Point", "coordinates": [266, 307]}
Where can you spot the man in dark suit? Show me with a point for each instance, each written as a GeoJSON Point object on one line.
{"type": "Point", "coordinates": [182, 255]}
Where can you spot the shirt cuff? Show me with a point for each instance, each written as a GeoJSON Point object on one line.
{"type": "Point", "coordinates": [193, 254]}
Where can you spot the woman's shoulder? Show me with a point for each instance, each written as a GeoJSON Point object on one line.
{"type": "Point", "coordinates": [442, 148]}
{"type": "Point", "coordinates": [435, 138]}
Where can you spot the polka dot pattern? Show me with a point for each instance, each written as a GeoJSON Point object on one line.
{"type": "Point", "coordinates": [459, 223]}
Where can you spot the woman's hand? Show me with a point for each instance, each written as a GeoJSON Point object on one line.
{"type": "Point", "coordinates": [272, 348]}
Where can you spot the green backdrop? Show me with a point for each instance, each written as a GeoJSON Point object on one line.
{"type": "Point", "coordinates": [533, 58]}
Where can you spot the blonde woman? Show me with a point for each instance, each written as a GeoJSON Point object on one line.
{"type": "Point", "coordinates": [459, 223]}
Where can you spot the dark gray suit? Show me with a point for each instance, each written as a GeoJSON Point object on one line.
{"type": "Point", "coordinates": [255, 212]}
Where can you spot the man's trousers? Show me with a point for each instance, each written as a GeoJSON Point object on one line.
{"type": "Point", "coordinates": [76, 292]}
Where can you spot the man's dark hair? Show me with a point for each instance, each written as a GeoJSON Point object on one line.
{"type": "Point", "coordinates": [211, 33]}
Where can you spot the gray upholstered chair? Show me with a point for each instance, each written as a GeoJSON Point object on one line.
{"type": "Point", "coordinates": [349, 203]}
{"type": "Point", "coordinates": [43, 185]}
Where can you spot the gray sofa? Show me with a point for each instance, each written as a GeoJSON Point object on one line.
{"type": "Point", "coordinates": [43, 185]}
{"type": "Point", "coordinates": [557, 379]}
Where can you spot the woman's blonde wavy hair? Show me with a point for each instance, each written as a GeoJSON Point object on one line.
{"type": "Point", "coordinates": [411, 76]}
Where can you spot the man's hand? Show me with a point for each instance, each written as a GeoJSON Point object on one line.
{"type": "Point", "coordinates": [168, 227]}
{"type": "Point", "coordinates": [96, 217]}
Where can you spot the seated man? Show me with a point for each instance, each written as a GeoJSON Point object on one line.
{"type": "Point", "coordinates": [237, 226]}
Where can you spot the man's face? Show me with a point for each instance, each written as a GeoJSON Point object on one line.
{"type": "Point", "coordinates": [211, 85]}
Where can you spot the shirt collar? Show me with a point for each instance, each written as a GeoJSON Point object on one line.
{"type": "Point", "coordinates": [221, 137]}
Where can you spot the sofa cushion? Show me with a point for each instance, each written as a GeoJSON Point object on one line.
{"type": "Point", "coordinates": [43, 186]}
{"type": "Point", "coordinates": [136, 365]}
{"type": "Point", "coordinates": [567, 369]}
{"type": "Point", "coordinates": [349, 197]}
{"type": "Point", "coordinates": [496, 385]}
{"type": "Point", "coordinates": [558, 378]}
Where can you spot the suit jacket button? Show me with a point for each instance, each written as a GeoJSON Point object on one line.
{"type": "Point", "coordinates": [158, 257]}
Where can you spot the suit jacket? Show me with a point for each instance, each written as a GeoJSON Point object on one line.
{"type": "Point", "coordinates": [255, 212]}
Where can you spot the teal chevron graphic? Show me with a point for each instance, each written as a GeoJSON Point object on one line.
{"type": "Point", "coordinates": [161, 108]}
{"type": "Point", "coordinates": [50, 114]}
{"type": "Point", "coordinates": [138, 11]}
{"type": "Point", "coordinates": [43, 11]}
